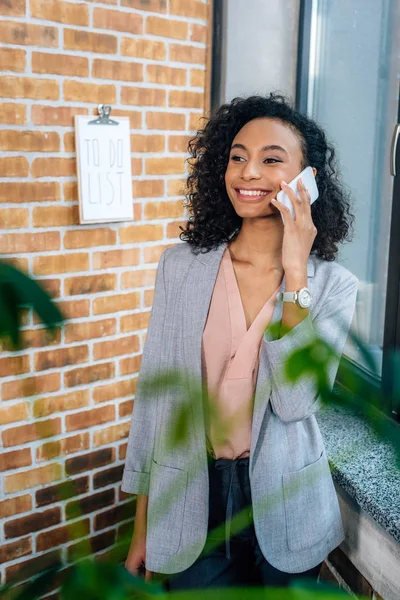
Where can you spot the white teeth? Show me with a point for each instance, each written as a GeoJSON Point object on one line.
{"type": "Point", "coordinates": [252, 193]}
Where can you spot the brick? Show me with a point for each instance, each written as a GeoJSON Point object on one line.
{"type": "Point", "coordinates": [147, 143]}
{"type": "Point", "coordinates": [117, 70]}
{"type": "Point", "coordinates": [89, 418]}
{"type": "Point", "coordinates": [117, 20]}
{"type": "Point", "coordinates": [53, 167]}
{"type": "Point", "coordinates": [89, 92]}
{"type": "Point", "coordinates": [53, 404]}
{"type": "Point", "coordinates": [15, 459]}
{"type": "Point", "coordinates": [164, 210]}
{"type": "Point", "coordinates": [198, 33]}
{"type": "Point", "coordinates": [12, 114]}
{"type": "Point", "coordinates": [55, 216]}
{"type": "Point", "coordinates": [188, 8]}
{"type": "Point", "coordinates": [27, 569]}
{"type": "Point", "coordinates": [62, 12]}
{"type": "Point", "coordinates": [24, 434]}
{"type": "Point", "coordinates": [62, 491]}
{"type": "Point", "coordinates": [142, 48]}
{"type": "Point", "coordinates": [33, 478]}
{"type": "Point", "coordinates": [14, 8]}
{"type": "Point", "coordinates": [125, 409]}
{"type": "Point", "coordinates": [116, 303]}
{"type": "Point", "coordinates": [159, 6]}
{"type": "Point", "coordinates": [148, 188]}
{"type": "Point", "coordinates": [61, 263]}
{"type": "Point", "coordinates": [116, 258]}
{"type": "Point", "coordinates": [138, 278]}
{"type": "Point", "coordinates": [15, 506]}
{"type": "Point", "coordinates": [36, 338]}
{"type": "Point", "coordinates": [75, 309]}
{"type": "Point", "coordinates": [14, 243]}
{"type": "Point", "coordinates": [164, 120]}
{"type": "Point", "coordinates": [14, 166]}
{"type": "Point", "coordinates": [176, 187]}
{"type": "Point", "coordinates": [62, 535]}
{"type": "Point", "coordinates": [130, 364]}
{"type": "Point", "coordinates": [86, 238]}
{"type": "Point", "coordinates": [31, 523]}
{"type": "Point", "coordinates": [14, 413]}
{"type": "Point", "coordinates": [135, 321]}
{"type": "Point", "coordinates": [197, 78]}
{"type": "Point", "coordinates": [137, 167]}
{"type": "Point", "coordinates": [118, 389]}
{"type": "Point", "coordinates": [87, 41]}
{"type": "Point", "coordinates": [88, 462]}
{"type": "Point", "coordinates": [87, 375]}
{"type": "Point", "coordinates": [185, 99]}
{"type": "Point", "coordinates": [30, 386]}
{"type": "Point", "coordinates": [89, 504]}
{"type": "Point", "coordinates": [135, 117]}
{"type": "Point", "coordinates": [178, 143]}
{"type": "Point", "coordinates": [165, 166]}
{"type": "Point", "coordinates": [29, 191]}
{"type": "Point", "coordinates": [111, 434]}
{"type": "Point", "coordinates": [93, 329]}
{"type": "Point", "coordinates": [91, 284]}
{"type": "Point", "coordinates": [56, 115]}
{"type": "Point", "coordinates": [187, 54]}
{"type": "Point", "coordinates": [107, 476]}
{"type": "Point", "coordinates": [122, 452]}
{"type": "Point", "coordinates": [165, 75]}
{"type": "Point", "coordinates": [112, 516]}
{"type": "Point", "coordinates": [29, 141]}
{"type": "Point", "coordinates": [26, 87]}
{"type": "Point", "coordinates": [143, 96]}
{"type": "Point", "coordinates": [14, 218]}
{"type": "Point", "coordinates": [60, 64]}
{"type": "Point", "coordinates": [69, 146]}
{"type": "Point", "coordinates": [62, 357]}
{"type": "Point", "coordinates": [124, 345]}
{"type": "Point", "coordinates": [70, 190]}
{"type": "Point", "coordinates": [21, 547]}
{"type": "Point", "coordinates": [14, 365]}
{"type": "Point", "coordinates": [148, 297]}
{"type": "Point", "coordinates": [152, 254]}
{"type": "Point", "coordinates": [12, 59]}
{"type": "Point", "coordinates": [51, 286]}
{"type": "Point", "coordinates": [22, 33]}
{"type": "Point", "coordinates": [167, 28]}
{"type": "Point", "coordinates": [196, 121]}
{"type": "Point", "coordinates": [173, 230]}
{"type": "Point", "coordinates": [87, 547]}
{"type": "Point", "coordinates": [62, 447]}
{"type": "Point", "coordinates": [140, 233]}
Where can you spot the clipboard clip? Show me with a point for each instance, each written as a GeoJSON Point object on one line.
{"type": "Point", "coordinates": [104, 111]}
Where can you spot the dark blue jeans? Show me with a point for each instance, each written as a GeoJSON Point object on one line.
{"type": "Point", "coordinates": [232, 559]}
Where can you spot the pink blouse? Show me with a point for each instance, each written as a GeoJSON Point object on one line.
{"type": "Point", "coordinates": [230, 360]}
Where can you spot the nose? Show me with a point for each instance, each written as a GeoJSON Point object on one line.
{"type": "Point", "coordinates": [251, 170]}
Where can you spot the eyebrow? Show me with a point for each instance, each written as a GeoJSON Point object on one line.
{"type": "Point", "coordinates": [263, 149]}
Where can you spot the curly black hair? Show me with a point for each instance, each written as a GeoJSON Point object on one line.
{"type": "Point", "coordinates": [212, 218]}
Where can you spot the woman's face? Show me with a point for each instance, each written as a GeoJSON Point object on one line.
{"type": "Point", "coordinates": [263, 153]}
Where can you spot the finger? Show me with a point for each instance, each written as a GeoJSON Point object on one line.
{"type": "Point", "coordinates": [147, 576]}
{"type": "Point", "coordinates": [294, 199]}
{"type": "Point", "coordinates": [305, 197]}
{"type": "Point", "coordinates": [284, 210]}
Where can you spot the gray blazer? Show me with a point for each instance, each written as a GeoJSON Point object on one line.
{"type": "Point", "coordinates": [295, 508]}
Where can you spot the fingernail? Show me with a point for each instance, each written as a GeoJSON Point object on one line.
{"type": "Point", "coordinates": [301, 182]}
{"type": "Point", "coordinates": [284, 182]}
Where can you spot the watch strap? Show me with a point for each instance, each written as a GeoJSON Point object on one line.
{"type": "Point", "coordinates": [287, 296]}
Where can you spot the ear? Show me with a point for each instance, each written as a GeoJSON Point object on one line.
{"type": "Point", "coordinates": [314, 171]}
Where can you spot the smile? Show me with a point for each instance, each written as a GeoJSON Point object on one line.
{"type": "Point", "coordinates": [243, 193]}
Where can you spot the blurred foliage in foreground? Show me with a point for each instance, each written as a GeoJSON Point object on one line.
{"type": "Point", "coordinates": [107, 579]}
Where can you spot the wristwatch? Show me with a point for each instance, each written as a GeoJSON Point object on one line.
{"type": "Point", "coordinates": [302, 298]}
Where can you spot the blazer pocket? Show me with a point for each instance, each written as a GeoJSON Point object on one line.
{"type": "Point", "coordinates": [310, 503]}
{"type": "Point", "coordinates": [166, 507]}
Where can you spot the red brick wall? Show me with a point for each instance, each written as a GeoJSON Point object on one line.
{"type": "Point", "coordinates": [66, 402]}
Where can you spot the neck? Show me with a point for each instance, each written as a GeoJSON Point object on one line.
{"type": "Point", "coordinates": [259, 242]}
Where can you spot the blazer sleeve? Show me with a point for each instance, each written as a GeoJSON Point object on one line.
{"type": "Point", "coordinates": [136, 476]}
{"type": "Point", "coordinates": [299, 400]}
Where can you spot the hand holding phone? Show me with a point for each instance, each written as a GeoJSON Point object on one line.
{"type": "Point", "coordinates": [307, 175]}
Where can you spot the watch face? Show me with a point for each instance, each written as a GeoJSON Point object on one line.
{"type": "Point", "coordinates": [304, 298]}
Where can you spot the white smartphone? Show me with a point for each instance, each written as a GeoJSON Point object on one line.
{"type": "Point", "coordinates": [307, 175]}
